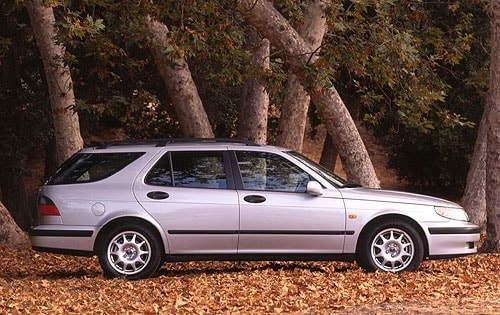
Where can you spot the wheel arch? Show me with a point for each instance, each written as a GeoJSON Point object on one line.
{"type": "Point", "coordinates": [125, 221]}
{"type": "Point", "coordinates": [387, 217]}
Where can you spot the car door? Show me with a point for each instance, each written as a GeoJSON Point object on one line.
{"type": "Point", "coordinates": [191, 194]}
{"type": "Point", "coordinates": [278, 216]}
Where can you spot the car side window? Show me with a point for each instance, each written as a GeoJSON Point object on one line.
{"type": "Point", "coordinates": [91, 167]}
{"type": "Point", "coordinates": [271, 172]}
{"type": "Point", "coordinates": [189, 169]}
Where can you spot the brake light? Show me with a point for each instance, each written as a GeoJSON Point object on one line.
{"type": "Point", "coordinates": [47, 206]}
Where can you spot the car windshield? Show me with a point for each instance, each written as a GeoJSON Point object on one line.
{"type": "Point", "coordinates": [327, 174]}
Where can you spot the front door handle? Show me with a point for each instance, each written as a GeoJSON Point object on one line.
{"type": "Point", "coordinates": [254, 199]}
{"type": "Point", "coordinates": [157, 195]}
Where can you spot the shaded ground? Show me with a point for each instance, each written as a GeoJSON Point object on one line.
{"type": "Point", "coordinates": [32, 282]}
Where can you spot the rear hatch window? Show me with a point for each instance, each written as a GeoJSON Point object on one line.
{"type": "Point", "coordinates": [91, 167]}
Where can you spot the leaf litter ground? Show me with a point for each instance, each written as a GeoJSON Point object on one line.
{"type": "Point", "coordinates": [40, 283]}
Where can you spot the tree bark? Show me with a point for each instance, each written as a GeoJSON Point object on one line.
{"type": "Point", "coordinates": [474, 198]}
{"type": "Point", "coordinates": [492, 241]}
{"type": "Point", "coordinates": [293, 118]}
{"type": "Point", "coordinates": [180, 85]}
{"type": "Point", "coordinates": [332, 111]}
{"type": "Point", "coordinates": [253, 114]}
{"type": "Point", "coordinates": [10, 234]}
{"type": "Point", "coordinates": [59, 82]}
{"type": "Point", "coordinates": [329, 154]}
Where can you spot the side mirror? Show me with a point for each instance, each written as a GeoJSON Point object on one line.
{"type": "Point", "coordinates": [314, 188]}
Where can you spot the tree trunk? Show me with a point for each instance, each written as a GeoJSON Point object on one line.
{"type": "Point", "coordinates": [252, 121]}
{"type": "Point", "coordinates": [10, 234]}
{"type": "Point", "coordinates": [293, 118]}
{"type": "Point", "coordinates": [329, 154]}
{"type": "Point", "coordinates": [332, 111]}
{"type": "Point", "coordinates": [492, 242]}
{"type": "Point", "coordinates": [60, 85]}
{"type": "Point", "coordinates": [14, 197]}
{"type": "Point", "coordinates": [179, 83]}
{"type": "Point", "coordinates": [474, 198]}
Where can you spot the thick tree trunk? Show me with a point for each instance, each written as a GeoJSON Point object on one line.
{"type": "Point", "coordinates": [332, 111]}
{"type": "Point", "coordinates": [60, 84]}
{"type": "Point", "coordinates": [329, 154]}
{"type": "Point", "coordinates": [293, 118]}
{"type": "Point", "coordinates": [492, 242]}
{"type": "Point", "coordinates": [15, 198]}
{"type": "Point", "coordinates": [474, 198]}
{"type": "Point", "coordinates": [10, 234]}
{"type": "Point", "coordinates": [252, 121]}
{"type": "Point", "coordinates": [179, 83]}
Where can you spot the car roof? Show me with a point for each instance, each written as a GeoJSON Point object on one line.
{"type": "Point", "coordinates": [157, 144]}
{"type": "Point", "coordinates": [170, 141]}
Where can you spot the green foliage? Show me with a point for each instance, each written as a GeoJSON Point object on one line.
{"type": "Point", "coordinates": [76, 26]}
{"type": "Point", "coordinates": [414, 69]}
{"type": "Point", "coordinates": [435, 162]}
{"type": "Point", "coordinates": [24, 128]}
{"type": "Point", "coordinates": [210, 35]}
{"type": "Point", "coordinates": [5, 44]}
{"type": "Point", "coordinates": [115, 79]}
{"type": "Point", "coordinates": [24, 109]}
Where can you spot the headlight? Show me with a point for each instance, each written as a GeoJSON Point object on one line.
{"type": "Point", "coordinates": [452, 213]}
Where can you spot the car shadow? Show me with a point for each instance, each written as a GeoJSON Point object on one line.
{"type": "Point", "coordinates": [249, 267]}
{"type": "Point", "coordinates": [177, 269]}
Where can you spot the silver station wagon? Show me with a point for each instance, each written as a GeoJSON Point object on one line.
{"type": "Point", "coordinates": [138, 203]}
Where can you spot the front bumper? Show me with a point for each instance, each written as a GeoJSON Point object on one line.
{"type": "Point", "coordinates": [452, 241]}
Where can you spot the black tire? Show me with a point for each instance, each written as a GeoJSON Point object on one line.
{"type": "Point", "coordinates": [130, 251]}
{"type": "Point", "coordinates": [390, 246]}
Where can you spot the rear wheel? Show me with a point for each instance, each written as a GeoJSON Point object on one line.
{"type": "Point", "coordinates": [391, 246]}
{"type": "Point", "coordinates": [130, 251]}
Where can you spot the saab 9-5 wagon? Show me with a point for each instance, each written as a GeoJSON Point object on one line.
{"type": "Point", "coordinates": [138, 204]}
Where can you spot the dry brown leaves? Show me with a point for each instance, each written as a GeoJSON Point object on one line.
{"type": "Point", "coordinates": [34, 283]}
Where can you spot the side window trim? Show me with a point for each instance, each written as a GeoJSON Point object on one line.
{"type": "Point", "coordinates": [229, 169]}
{"type": "Point", "coordinates": [171, 166]}
{"type": "Point", "coordinates": [236, 173]}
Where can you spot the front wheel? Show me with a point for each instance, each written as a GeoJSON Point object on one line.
{"type": "Point", "coordinates": [133, 252]}
{"type": "Point", "coordinates": [391, 246]}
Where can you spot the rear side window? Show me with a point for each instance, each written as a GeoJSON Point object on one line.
{"type": "Point", "coordinates": [189, 169]}
{"type": "Point", "coordinates": [91, 167]}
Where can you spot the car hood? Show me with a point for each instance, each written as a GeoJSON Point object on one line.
{"type": "Point", "coordinates": [371, 194]}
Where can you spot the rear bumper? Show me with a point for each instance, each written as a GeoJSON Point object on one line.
{"type": "Point", "coordinates": [60, 239]}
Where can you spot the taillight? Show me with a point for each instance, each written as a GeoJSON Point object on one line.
{"type": "Point", "coordinates": [47, 206]}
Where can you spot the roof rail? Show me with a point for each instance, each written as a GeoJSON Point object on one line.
{"type": "Point", "coordinates": [165, 141]}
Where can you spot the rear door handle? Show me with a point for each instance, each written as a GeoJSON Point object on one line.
{"type": "Point", "coordinates": [254, 199]}
{"type": "Point", "coordinates": [157, 195]}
